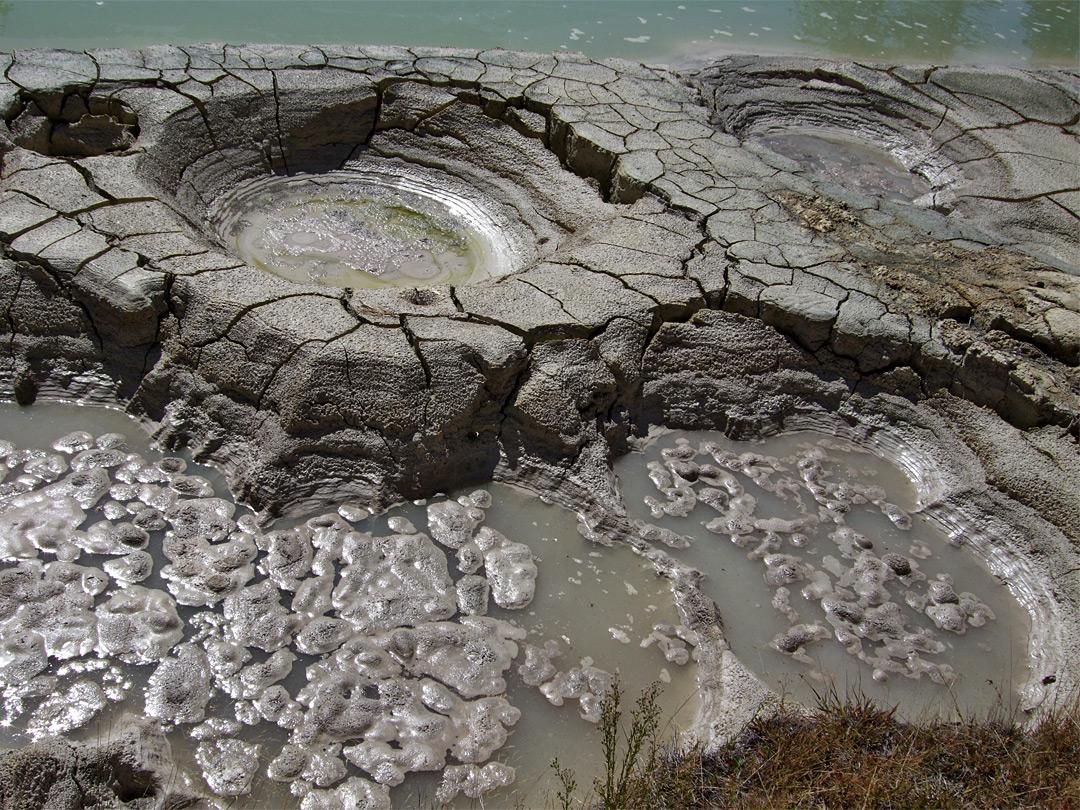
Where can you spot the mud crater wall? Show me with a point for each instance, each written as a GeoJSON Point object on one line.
{"type": "Point", "coordinates": [682, 274]}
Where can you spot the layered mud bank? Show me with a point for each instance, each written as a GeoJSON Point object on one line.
{"type": "Point", "coordinates": [885, 254]}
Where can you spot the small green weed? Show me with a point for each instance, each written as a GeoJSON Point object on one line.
{"type": "Point", "coordinates": [567, 784]}
{"type": "Point", "coordinates": [623, 772]}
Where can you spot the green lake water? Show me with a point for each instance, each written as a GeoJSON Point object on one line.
{"type": "Point", "coordinates": [1030, 33]}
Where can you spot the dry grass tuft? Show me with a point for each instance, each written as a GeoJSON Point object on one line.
{"type": "Point", "coordinates": [852, 754]}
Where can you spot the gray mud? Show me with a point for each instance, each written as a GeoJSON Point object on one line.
{"type": "Point", "coordinates": [919, 297]}
{"type": "Point", "coordinates": [832, 573]}
{"type": "Point", "coordinates": [338, 648]}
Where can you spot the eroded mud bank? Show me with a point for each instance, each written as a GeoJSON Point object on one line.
{"type": "Point", "coordinates": [919, 295]}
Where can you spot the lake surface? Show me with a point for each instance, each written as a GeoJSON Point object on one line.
{"type": "Point", "coordinates": [1030, 33]}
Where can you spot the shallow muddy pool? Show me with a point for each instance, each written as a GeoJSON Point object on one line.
{"type": "Point", "coordinates": [322, 651]}
{"type": "Point", "coordinates": [829, 575]}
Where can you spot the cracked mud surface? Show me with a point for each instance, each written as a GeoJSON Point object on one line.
{"type": "Point", "coordinates": [653, 210]}
{"type": "Point", "coordinates": [684, 274]}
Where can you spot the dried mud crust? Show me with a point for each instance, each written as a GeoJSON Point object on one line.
{"type": "Point", "coordinates": [648, 211]}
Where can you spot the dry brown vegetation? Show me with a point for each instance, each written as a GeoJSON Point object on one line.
{"type": "Point", "coordinates": [851, 754]}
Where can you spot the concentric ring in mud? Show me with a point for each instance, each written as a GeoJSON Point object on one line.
{"type": "Point", "coordinates": [857, 140]}
{"type": "Point", "coordinates": [973, 141]}
{"type": "Point", "coordinates": [408, 184]}
{"type": "Point", "coordinates": [368, 227]}
{"type": "Point", "coordinates": [886, 167]}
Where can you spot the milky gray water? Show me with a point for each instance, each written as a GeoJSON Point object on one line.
{"type": "Point", "coordinates": [828, 574]}
{"type": "Point", "coordinates": [138, 569]}
{"type": "Point", "coordinates": [128, 578]}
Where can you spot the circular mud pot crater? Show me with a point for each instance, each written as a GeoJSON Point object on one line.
{"type": "Point", "coordinates": [367, 227]}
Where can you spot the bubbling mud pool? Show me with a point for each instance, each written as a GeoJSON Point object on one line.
{"type": "Point", "coordinates": [366, 227]}
{"type": "Point", "coordinates": [828, 575]}
{"type": "Point", "coordinates": [447, 650]}
{"type": "Point", "coordinates": [335, 658]}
